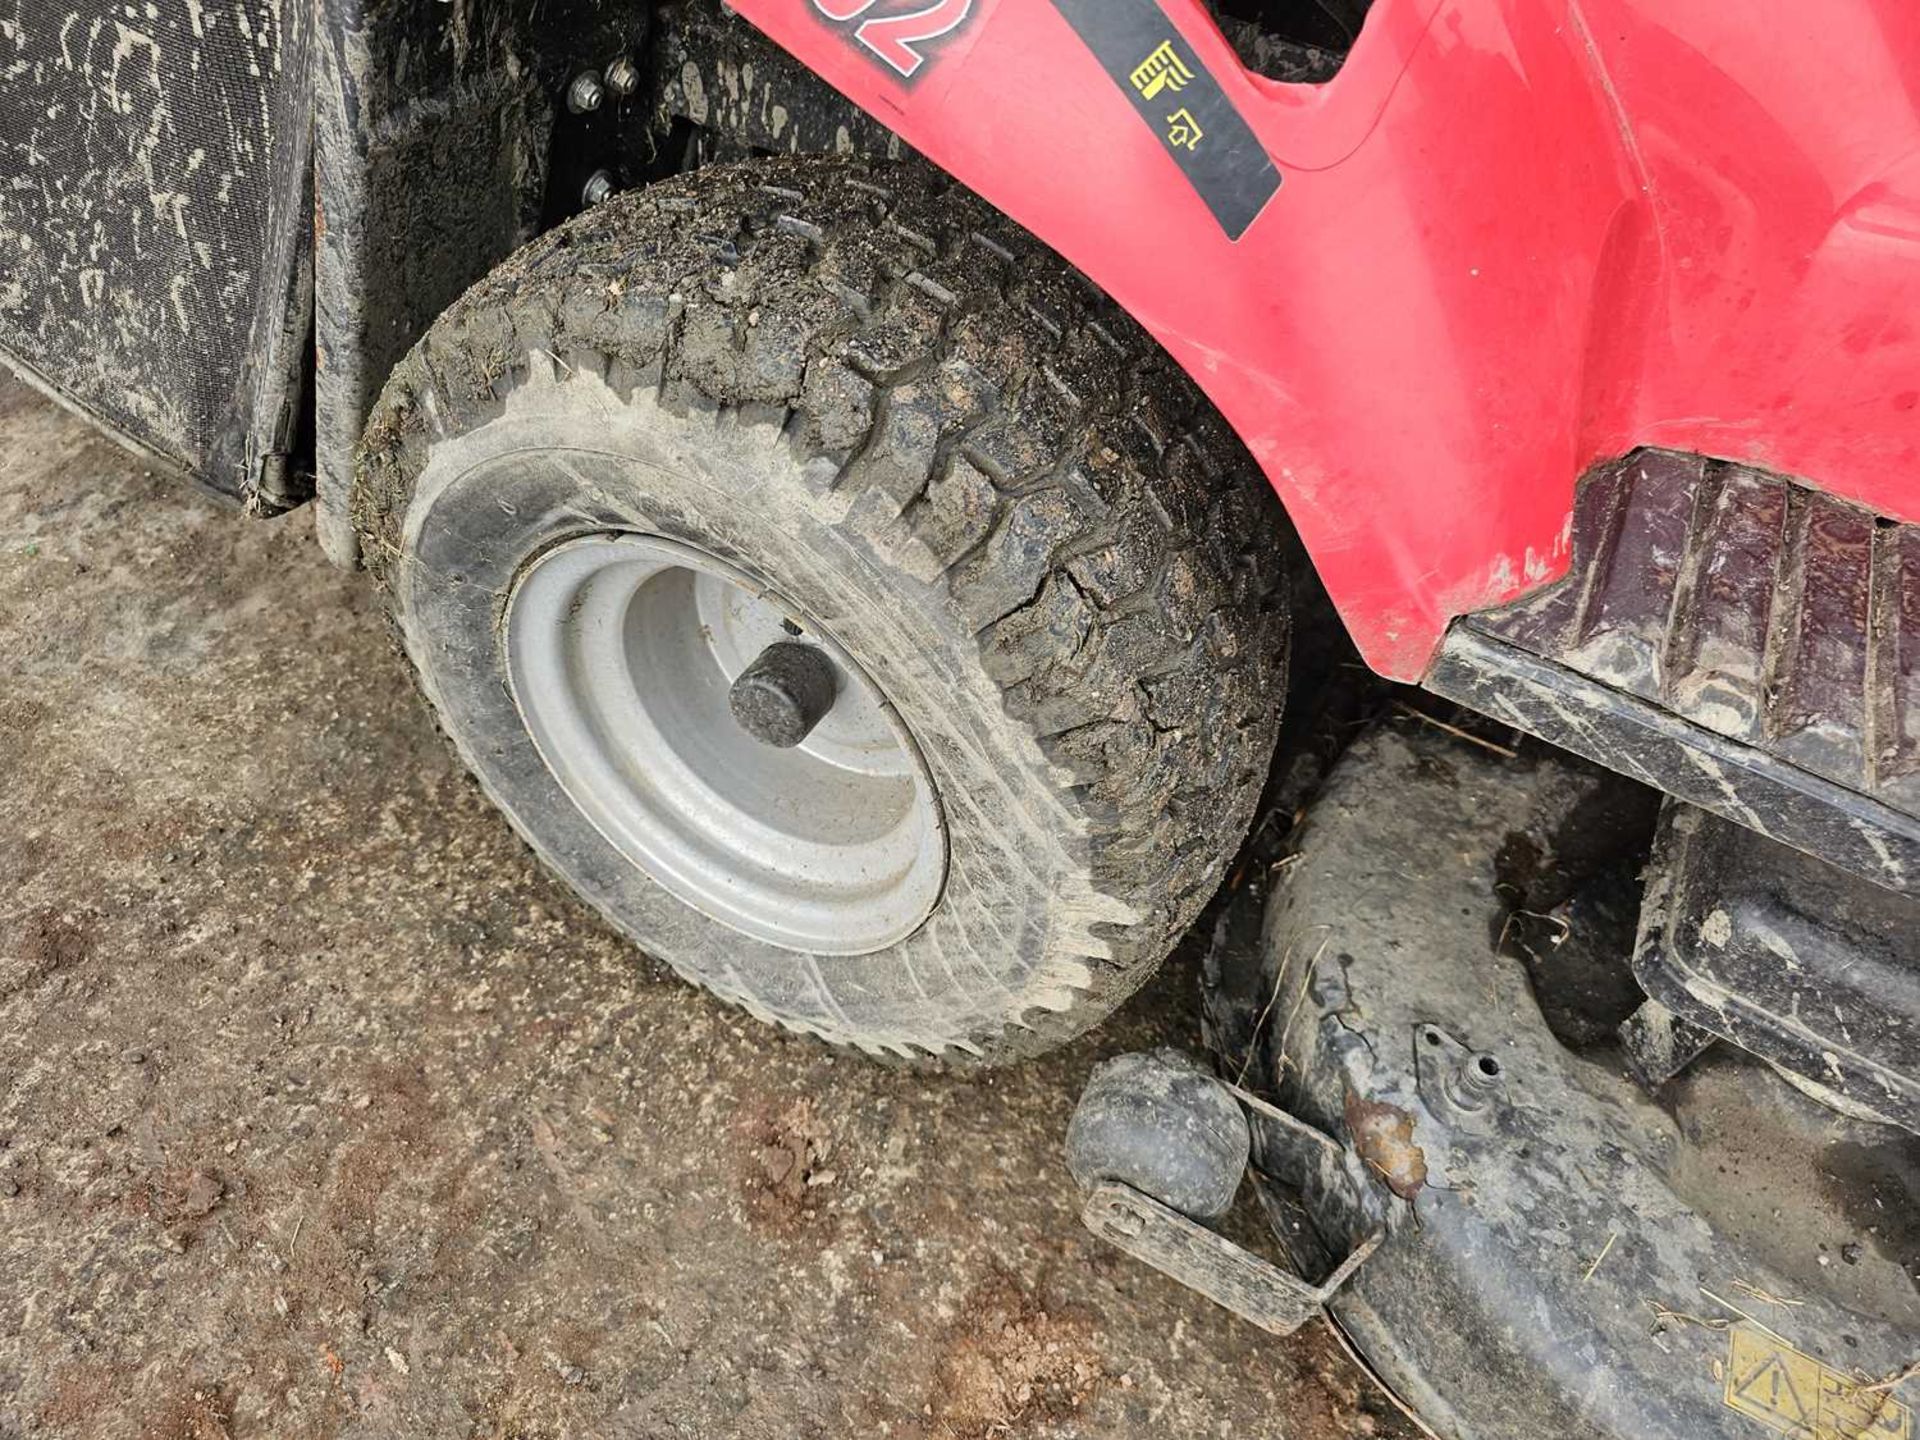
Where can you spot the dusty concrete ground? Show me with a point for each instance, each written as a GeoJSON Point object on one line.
{"type": "Point", "coordinates": [324, 1112]}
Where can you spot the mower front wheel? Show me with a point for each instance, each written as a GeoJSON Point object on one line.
{"type": "Point", "coordinates": [841, 597]}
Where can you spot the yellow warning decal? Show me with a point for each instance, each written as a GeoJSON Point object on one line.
{"type": "Point", "coordinates": [1803, 1399]}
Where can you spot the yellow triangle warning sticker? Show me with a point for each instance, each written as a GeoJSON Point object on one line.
{"type": "Point", "coordinates": [1768, 1390]}
{"type": "Point", "coordinates": [1799, 1397]}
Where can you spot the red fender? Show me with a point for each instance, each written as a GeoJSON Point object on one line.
{"type": "Point", "coordinates": [1510, 238]}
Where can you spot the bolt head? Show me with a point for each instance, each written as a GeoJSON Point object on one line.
{"type": "Point", "coordinates": [623, 77]}
{"type": "Point", "coordinates": [600, 188]}
{"type": "Point", "coordinates": [585, 93]}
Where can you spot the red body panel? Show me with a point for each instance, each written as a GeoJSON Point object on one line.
{"type": "Point", "coordinates": [1513, 237]}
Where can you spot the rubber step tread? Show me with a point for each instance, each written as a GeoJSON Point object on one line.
{"type": "Point", "coordinates": [1753, 606]}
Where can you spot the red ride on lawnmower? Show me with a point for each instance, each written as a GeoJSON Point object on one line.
{"type": "Point", "coordinates": [822, 458]}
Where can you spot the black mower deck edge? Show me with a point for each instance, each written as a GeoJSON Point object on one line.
{"type": "Point", "coordinates": [1555, 1264]}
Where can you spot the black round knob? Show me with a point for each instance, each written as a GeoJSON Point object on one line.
{"type": "Point", "coordinates": [781, 696]}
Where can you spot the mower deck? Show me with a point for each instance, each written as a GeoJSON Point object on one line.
{"type": "Point", "coordinates": [1565, 1256]}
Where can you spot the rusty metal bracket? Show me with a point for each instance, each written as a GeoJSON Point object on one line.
{"type": "Point", "coordinates": [1185, 1250]}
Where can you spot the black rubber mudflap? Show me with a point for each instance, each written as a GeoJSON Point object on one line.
{"type": "Point", "coordinates": [1738, 640]}
{"type": "Point", "coordinates": [1565, 1257]}
{"type": "Point", "coordinates": [155, 231]}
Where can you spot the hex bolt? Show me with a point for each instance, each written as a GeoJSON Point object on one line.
{"type": "Point", "coordinates": [586, 92]}
{"type": "Point", "coordinates": [600, 188]}
{"type": "Point", "coordinates": [623, 77]}
{"type": "Point", "coordinates": [781, 696]}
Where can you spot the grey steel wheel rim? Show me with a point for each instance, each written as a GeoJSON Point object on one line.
{"type": "Point", "coordinates": [621, 651]}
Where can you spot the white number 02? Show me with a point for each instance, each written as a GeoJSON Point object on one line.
{"type": "Point", "coordinates": [894, 37]}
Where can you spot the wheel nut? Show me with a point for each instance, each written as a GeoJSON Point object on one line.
{"type": "Point", "coordinates": [585, 93]}
{"type": "Point", "coordinates": [623, 77]}
{"type": "Point", "coordinates": [781, 696]}
{"type": "Point", "coordinates": [600, 188]}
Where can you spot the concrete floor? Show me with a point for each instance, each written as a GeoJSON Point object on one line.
{"type": "Point", "coordinates": [325, 1112]}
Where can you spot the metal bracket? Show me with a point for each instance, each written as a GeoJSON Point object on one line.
{"type": "Point", "coordinates": [1188, 1252]}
